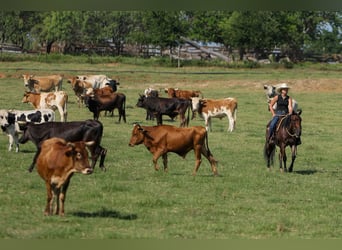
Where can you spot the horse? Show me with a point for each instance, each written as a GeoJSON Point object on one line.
{"type": "Point", "coordinates": [288, 132]}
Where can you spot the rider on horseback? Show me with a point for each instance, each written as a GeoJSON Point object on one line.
{"type": "Point", "coordinates": [284, 107]}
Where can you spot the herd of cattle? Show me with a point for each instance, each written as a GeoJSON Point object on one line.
{"type": "Point", "coordinates": [62, 146]}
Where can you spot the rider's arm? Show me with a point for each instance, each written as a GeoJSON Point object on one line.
{"type": "Point", "coordinates": [290, 106]}
{"type": "Point", "coordinates": [272, 102]}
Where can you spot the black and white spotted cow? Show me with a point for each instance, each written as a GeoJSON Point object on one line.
{"type": "Point", "coordinates": [10, 122]}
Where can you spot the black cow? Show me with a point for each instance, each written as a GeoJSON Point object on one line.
{"type": "Point", "coordinates": [97, 103]}
{"type": "Point", "coordinates": [113, 84]}
{"type": "Point", "coordinates": [88, 130]}
{"type": "Point", "coordinates": [160, 106]}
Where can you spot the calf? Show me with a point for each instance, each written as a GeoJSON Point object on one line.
{"type": "Point", "coordinates": [57, 161]}
{"type": "Point", "coordinates": [208, 108]}
{"type": "Point", "coordinates": [271, 92]}
{"type": "Point", "coordinates": [43, 83]}
{"type": "Point", "coordinates": [109, 102]}
{"type": "Point", "coordinates": [88, 130]}
{"type": "Point", "coordinates": [56, 100]}
{"type": "Point", "coordinates": [10, 122]}
{"type": "Point", "coordinates": [160, 140]}
{"type": "Point", "coordinates": [160, 106]}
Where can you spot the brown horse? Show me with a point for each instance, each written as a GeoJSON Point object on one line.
{"type": "Point", "coordinates": [289, 129]}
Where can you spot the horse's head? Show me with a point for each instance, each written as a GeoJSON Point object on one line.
{"type": "Point", "coordinates": [295, 125]}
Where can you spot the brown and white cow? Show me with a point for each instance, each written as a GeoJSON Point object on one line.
{"type": "Point", "coordinates": [216, 108]}
{"type": "Point", "coordinates": [53, 100]}
{"type": "Point", "coordinates": [160, 140]}
{"type": "Point", "coordinates": [185, 94]}
{"type": "Point", "coordinates": [43, 83]}
{"type": "Point", "coordinates": [57, 161]}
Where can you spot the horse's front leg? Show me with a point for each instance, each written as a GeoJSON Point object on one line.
{"type": "Point", "coordinates": [294, 154]}
{"type": "Point", "coordinates": [282, 159]}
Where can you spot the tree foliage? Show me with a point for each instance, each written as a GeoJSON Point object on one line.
{"type": "Point", "coordinates": [294, 32]}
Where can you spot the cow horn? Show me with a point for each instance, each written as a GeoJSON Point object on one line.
{"type": "Point", "coordinates": [21, 122]}
{"type": "Point", "coordinates": [89, 143]}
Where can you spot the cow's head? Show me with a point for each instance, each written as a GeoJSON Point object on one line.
{"type": "Point", "coordinates": [141, 101]}
{"type": "Point", "coordinates": [4, 119]}
{"type": "Point", "coordinates": [79, 153]}
{"type": "Point", "coordinates": [27, 79]}
{"type": "Point", "coordinates": [138, 135]}
{"type": "Point", "coordinates": [196, 103]}
{"type": "Point", "coordinates": [270, 91]}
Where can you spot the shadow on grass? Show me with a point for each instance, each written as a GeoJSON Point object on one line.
{"type": "Point", "coordinates": [104, 213]}
{"type": "Point", "coordinates": [305, 172]}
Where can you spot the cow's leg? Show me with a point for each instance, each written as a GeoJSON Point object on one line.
{"type": "Point", "coordinates": [62, 196]}
{"type": "Point", "coordinates": [103, 156]}
{"type": "Point", "coordinates": [62, 114]}
{"type": "Point", "coordinates": [165, 162]}
{"type": "Point", "coordinates": [208, 124]}
{"type": "Point", "coordinates": [159, 119]}
{"type": "Point", "coordinates": [198, 158]}
{"type": "Point", "coordinates": [294, 153]}
{"type": "Point", "coordinates": [207, 154]}
{"type": "Point", "coordinates": [230, 121]}
{"type": "Point", "coordinates": [49, 200]}
{"type": "Point", "coordinates": [10, 141]}
{"type": "Point", "coordinates": [155, 158]}
{"type": "Point", "coordinates": [16, 143]}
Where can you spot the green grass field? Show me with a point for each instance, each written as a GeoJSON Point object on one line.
{"type": "Point", "coordinates": [133, 201]}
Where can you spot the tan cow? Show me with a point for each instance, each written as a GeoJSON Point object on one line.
{"type": "Point", "coordinates": [57, 161]}
{"type": "Point", "coordinates": [185, 94]}
{"type": "Point", "coordinates": [219, 108]}
{"type": "Point", "coordinates": [43, 83]}
{"type": "Point", "coordinates": [160, 140]}
{"type": "Point", "coordinates": [53, 100]}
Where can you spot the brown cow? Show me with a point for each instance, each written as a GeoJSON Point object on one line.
{"type": "Point", "coordinates": [43, 83]}
{"type": "Point", "coordinates": [57, 161]}
{"type": "Point", "coordinates": [219, 108]}
{"type": "Point", "coordinates": [160, 140]}
{"type": "Point", "coordinates": [53, 100]}
{"type": "Point", "coordinates": [185, 94]}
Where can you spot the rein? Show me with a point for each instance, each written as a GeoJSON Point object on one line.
{"type": "Point", "coordinates": [288, 132]}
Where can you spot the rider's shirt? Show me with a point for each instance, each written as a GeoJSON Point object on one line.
{"type": "Point", "coordinates": [282, 105]}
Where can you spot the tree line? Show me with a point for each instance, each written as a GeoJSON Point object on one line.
{"type": "Point", "coordinates": [293, 32]}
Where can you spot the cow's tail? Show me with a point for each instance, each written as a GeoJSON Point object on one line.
{"type": "Point", "coordinates": [189, 110]}
{"type": "Point", "coordinates": [234, 114]}
{"type": "Point", "coordinates": [209, 155]}
{"type": "Point", "coordinates": [65, 111]}
{"type": "Point", "coordinates": [124, 109]}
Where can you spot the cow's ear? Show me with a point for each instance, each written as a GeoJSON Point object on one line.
{"type": "Point", "coordinates": [299, 112]}
{"type": "Point", "coordinates": [71, 149]}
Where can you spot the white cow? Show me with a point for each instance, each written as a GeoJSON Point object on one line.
{"type": "Point", "coordinates": [10, 122]}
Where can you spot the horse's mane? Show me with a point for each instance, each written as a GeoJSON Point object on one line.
{"type": "Point", "coordinates": [285, 121]}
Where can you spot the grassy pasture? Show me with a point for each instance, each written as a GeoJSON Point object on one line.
{"type": "Point", "coordinates": [131, 200]}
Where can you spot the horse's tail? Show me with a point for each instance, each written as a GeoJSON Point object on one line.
{"type": "Point", "coordinates": [269, 152]}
